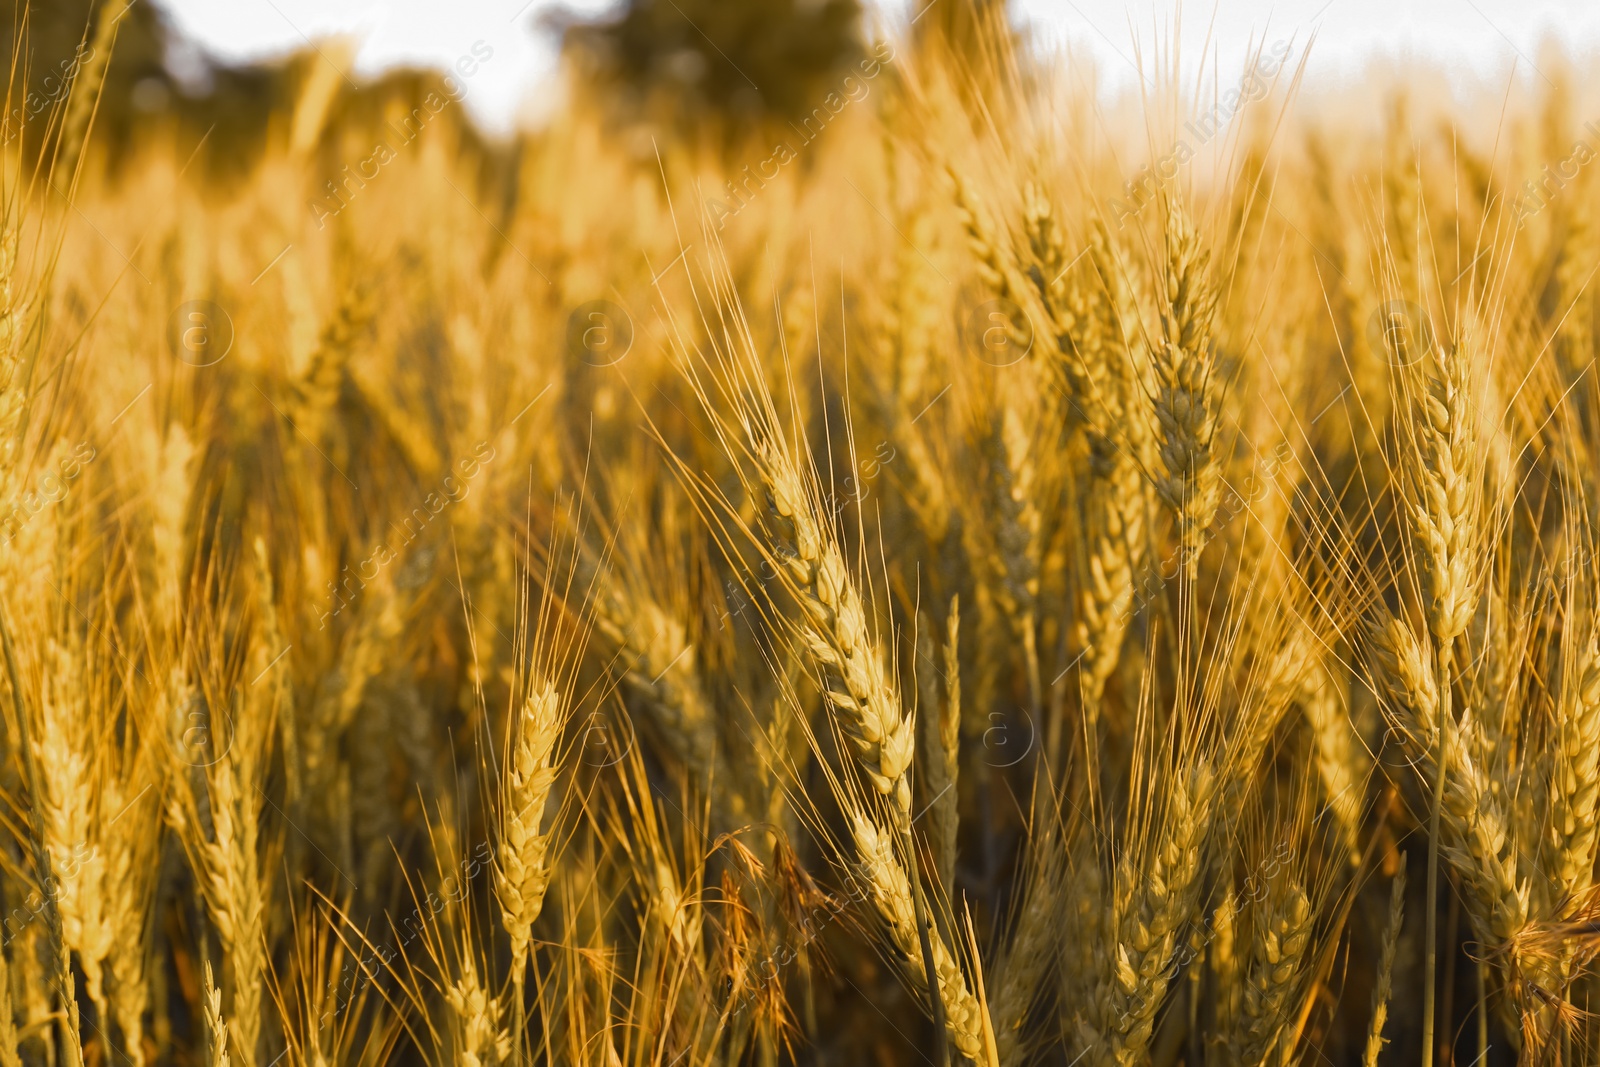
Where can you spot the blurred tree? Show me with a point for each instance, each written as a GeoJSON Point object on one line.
{"type": "Point", "coordinates": [743, 60]}
{"type": "Point", "coordinates": [152, 73]}
{"type": "Point", "coordinates": [157, 79]}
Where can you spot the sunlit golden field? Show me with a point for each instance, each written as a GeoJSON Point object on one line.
{"type": "Point", "coordinates": [648, 594]}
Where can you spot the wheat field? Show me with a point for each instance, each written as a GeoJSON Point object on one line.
{"type": "Point", "coordinates": [976, 573]}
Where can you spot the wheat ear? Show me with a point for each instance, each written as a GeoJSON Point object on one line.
{"type": "Point", "coordinates": [1576, 777]}
{"type": "Point", "coordinates": [1032, 949]}
{"type": "Point", "coordinates": [216, 1028]}
{"type": "Point", "coordinates": [132, 857]}
{"type": "Point", "coordinates": [1441, 466]}
{"type": "Point", "coordinates": [1380, 991]}
{"type": "Point", "coordinates": [941, 717]}
{"type": "Point", "coordinates": [227, 868]}
{"type": "Point", "coordinates": [480, 1039]}
{"type": "Point", "coordinates": [1282, 933]}
{"type": "Point", "coordinates": [1442, 504]}
{"type": "Point", "coordinates": [1333, 742]}
{"type": "Point", "coordinates": [8, 1020]}
{"type": "Point", "coordinates": [1090, 334]}
{"type": "Point", "coordinates": [72, 818]}
{"type": "Point", "coordinates": [862, 693]}
{"type": "Point", "coordinates": [1115, 520]}
{"type": "Point", "coordinates": [522, 871]}
{"type": "Point", "coordinates": [1152, 907]}
{"type": "Point", "coordinates": [892, 895]}
{"type": "Point", "coordinates": [836, 633]}
{"type": "Point", "coordinates": [660, 665]}
{"type": "Point", "coordinates": [1476, 840]}
{"type": "Point", "coordinates": [60, 962]}
{"type": "Point", "coordinates": [1186, 400]}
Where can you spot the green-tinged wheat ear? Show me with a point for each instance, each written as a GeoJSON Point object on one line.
{"type": "Point", "coordinates": [1381, 989]}
{"type": "Point", "coordinates": [522, 870]}
{"type": "Point", "coordinates": [890, 891]}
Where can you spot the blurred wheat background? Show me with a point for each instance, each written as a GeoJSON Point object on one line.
{"type": "Point", "coordinates": [842, 547]}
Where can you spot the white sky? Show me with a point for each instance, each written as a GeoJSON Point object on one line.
{"type": "Point", "coordinates": [1474, 37]}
